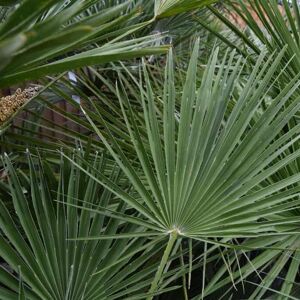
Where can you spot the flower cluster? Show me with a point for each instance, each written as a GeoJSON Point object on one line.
{"type": "Point", "coordinates": [10, 104]}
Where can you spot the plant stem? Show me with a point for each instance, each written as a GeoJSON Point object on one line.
{"type": "Point", "coordinates": [163, 262]}
{"type": "Point", "coordinates": [183, 275]}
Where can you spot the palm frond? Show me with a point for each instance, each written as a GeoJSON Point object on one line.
{"type": "Point", "coordinates": [43, 247]}
{"type": "Point", "coordinates": [204, 165]}
{"type": "Point", "coordinates": [35, 43]}
{"type": "Point", "coordinates": [167, 8]}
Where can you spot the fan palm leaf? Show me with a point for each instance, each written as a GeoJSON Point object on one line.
{"type": "Point", "coordinates": [267, 26]}
{"type": "Point", "coordinates": [36, 37]}
{"type": "Point", "coordinates": [276, 263]}
{"type": "Point", "coordinates": [58, 248]}
{"type": "Point", "coordinates": [202, 165]}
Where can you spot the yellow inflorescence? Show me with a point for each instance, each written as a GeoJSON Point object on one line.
{"type": "Point", "coordinates": [10, 104]}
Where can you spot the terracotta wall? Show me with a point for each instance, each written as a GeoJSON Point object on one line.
{"type": "Point", "coordinates": [236, 19]}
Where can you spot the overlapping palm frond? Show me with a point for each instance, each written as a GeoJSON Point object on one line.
{"type": "Point", "coordinates": [273, 268]}
{"type": "Point", "coordinates": [8, 2]}
{"type": "Point", "coordinates": [57, 247]}
{"type": "Point", "coordinates": [204, 165]}
{"type": "Point", "coordinates": [50, 37]}
{"type": "Point", "coordinates": [39, 38]}
{"type": "Point", "coordinates": [205, 172]}
{"type": "Point", "coordinates": [270, 26]}
{"type": "Point", "coordinates": [167, 8]}
{"type": "Point", "coordinates": [95, 29]}
{"type": "Point", "coordinates": [265, 25]}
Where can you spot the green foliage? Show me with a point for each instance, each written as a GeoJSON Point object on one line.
{"type": "Point", "coordinates": [206, 157]}
{"type": "Point", "coordinates": [58, 248]}
{"type": "Point", "coordinates": [8, 2]}
{"type": "Point", "coordinates": [167, 8]}
{"type": "Point", "coordinates": [205, 167]}
{"type": "Point", "coordinates": [268, 26]}
{"type": "Point", "coordinates": [39, 38]}
{"type": "Point", "coordinates": [188, 168]}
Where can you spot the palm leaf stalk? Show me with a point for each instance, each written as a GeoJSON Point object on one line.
{"type": "Point", "coordinates": [202, 175]}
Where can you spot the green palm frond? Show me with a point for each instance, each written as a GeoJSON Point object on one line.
{"type": "Point", "coordinates": [204, 164]}
{"type": "Point", "coordinates": [202, 170]}
{"type": "Point", "coordinates": [175, 167]}
{"type": "Point", "coordinates": [35, 42]}
{"type": "Point", "coordinates": [42, 38]}
{"type": "Point", "coordinates": [8, 2]}
{"type": "Point", "coordinates": [276, 263]}
{"type": "Point", "coordinates": [167, 8]}
{"type": "Point", "coordinates": [270, 269]}
{"type": "Point", "coordinates": [57, 247]}
{"type": "Point", "coordinates": [267, 25]}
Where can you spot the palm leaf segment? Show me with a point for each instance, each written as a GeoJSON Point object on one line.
{"type": "Point", "coordinates": [58, 248]}
{"type": "Point", "coordinates": [166, 8]}
{"type": "Point", "coordinates": [202, 174]}
{"type": "Point", "coordinates": [40, 38]}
